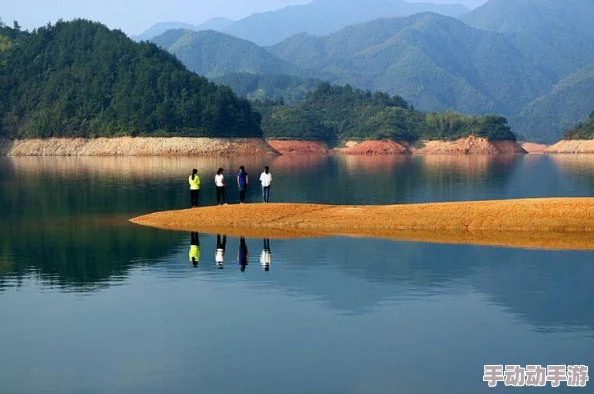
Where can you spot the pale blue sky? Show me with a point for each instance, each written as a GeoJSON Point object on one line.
{"type": "Point", "coordinates": [135, 16]}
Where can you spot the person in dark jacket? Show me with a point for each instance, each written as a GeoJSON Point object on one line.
{"type": "Point", "coordinates": [243, 181]}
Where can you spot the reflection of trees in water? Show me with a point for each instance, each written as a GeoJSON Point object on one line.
{"type": "Point", "coordinates": [580, 167]}
{"type": "Point", "coordinates": [154, 167]}
{"type": "Point", "coordinates": [79, 255]}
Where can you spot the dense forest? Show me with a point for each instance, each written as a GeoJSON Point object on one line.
{"type": "Point", "coordinates": [291, 88]}
{"type": "Point", "coordinates": [582, 131]}
{"type": "Point", "coordinates": [334, 113]}
{"type": "Point", "coordinates": [80, 79]}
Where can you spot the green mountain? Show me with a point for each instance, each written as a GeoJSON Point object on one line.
{"type": "Point", "coordinates": [79, 79]}
{"type": "Point", "coordinates": [435, 62]}
{"type": "Point", "coordinates": [582, 131]}
{"type": "Point", "coordinates": [339, 113]}
{"type": "Point", "coordinates": [291, 89]}
{"type": "Point", "coordinates": [556, 35]}
{"type": "Point", "coordinates": [516, 16]}
{"type": "Point", "coordinates": [322, 17]}
{"type": "Point", "coordinates": [546, 118]}
{"type": "Point", "coordinates": [214, 54]}
{"type": "Point", "coordinates": [217, 24]}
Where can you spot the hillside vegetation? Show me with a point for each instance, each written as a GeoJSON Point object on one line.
{"type": "Point", "coordinates": [292, 89]}
{"type": "Point", "coordinates": [570, 100]}
{"type": "Point", "coordinates": [340, 113]}
{"type": "Point", "coordinates": [214, 54]}
{"type": "Point", "coordinates": [436, 62]}
{"type": "Point", "coordinates": [80, 79]}
{"type": "Point", "coordinates": [582, 131]}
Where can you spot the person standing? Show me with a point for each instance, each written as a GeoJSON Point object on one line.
{"type": "Point", "coordinates": [266, 180]}
{"type": "Point", "coordinates": [243, 182]}
{"type": "Point", "coordinates": [221, 188]}
{"type": "Point", "coordinates": [194, 188]}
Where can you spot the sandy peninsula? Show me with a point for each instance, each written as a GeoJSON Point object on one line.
{"type": "Point", "coordinates": [558, 223]}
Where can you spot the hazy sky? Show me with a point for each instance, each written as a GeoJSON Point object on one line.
{"type": "Point", "coordinates": [135, 16]}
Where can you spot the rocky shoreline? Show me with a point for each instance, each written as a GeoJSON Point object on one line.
{"type": "Point", "coordinates": [572, 146]}
{"type": "Point", "coordinates": [463, 146]}
{"type": "Point", "coordinates": [137, 146]}
{"type": "Point", "coordinates": [189, 146]}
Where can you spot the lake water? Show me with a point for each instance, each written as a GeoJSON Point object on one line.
{"type": "Point", "coordinates": [92, 304]}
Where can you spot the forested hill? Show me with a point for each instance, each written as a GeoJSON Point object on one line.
{"type": "Point", "coordinates": [334, 113]}
{"type": "Point", "coordinates": [582, 131]}
{"type": "Point", "coordinates": [80, 79]}
{"type": "Point", "coordinates": [215, 54]}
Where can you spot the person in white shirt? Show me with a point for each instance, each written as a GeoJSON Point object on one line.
{"type": "Point", "coordinates": [220, 183]}
{"type": "Point", "coordinates": [266, 180]}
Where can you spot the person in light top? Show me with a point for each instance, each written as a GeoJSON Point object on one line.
{"type": "Point", "coordinates": [266, 180]}
{"type": "Point", "coordinates": [194, 181]}
{"type": "Point", "coordinates": [220, 253]}
{"type": "Point", "coordinates": [266, 256]}
{"type": "Point", "coordinates": [221, 188]}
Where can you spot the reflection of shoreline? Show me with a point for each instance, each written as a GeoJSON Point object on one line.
{"type": "Point", "coordinates": [579, 164]}
{"type": "Point", "coordinates": [556, 223]}
{"type": "Point", "coordinates": [132, 166]}
{"type": "Point", "coordinates": [468, 165]}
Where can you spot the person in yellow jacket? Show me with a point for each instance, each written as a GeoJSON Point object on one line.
{"type": "Point", "coordinates": [194, 249]}
{"type": "Point", "coordinates": [194, 180]}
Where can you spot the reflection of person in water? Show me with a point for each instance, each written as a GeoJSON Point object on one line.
{"type": "Point", "coordinates": [266, 256]}
{"type": "Point", "coordinates": [194, 249]}
{"type": "Point", "coordinates": [220, 253]}
{"type": "Point", "coordinates": [242, 254]}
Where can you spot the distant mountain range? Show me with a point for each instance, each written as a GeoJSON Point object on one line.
{"type": "Point", "coordinates": [531, 60]}
{"type": "Point", "coordinates": [160, 28]}
{"type": "Point", "coordinates": [322, 17]}
{"type": "Point", "coordinates": [318, 18]}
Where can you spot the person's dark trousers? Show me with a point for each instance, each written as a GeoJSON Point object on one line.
{"type": "Point", "coordinates": [265, 193]}
{"type": "Point", "coordinates": [242, 195]}
{"type": "Point", "coordinates": [194, 197]}
{"type": "Point", "coordinates": [221, 195]}
{"type": "Point", "coordinates": [221, 244]}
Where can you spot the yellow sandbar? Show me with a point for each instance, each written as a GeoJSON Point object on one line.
{"type": "Point", "coordinates": [552, 223]}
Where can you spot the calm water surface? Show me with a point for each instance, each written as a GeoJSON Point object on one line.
{"type": "Point", "coordinates": [92, 304]}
